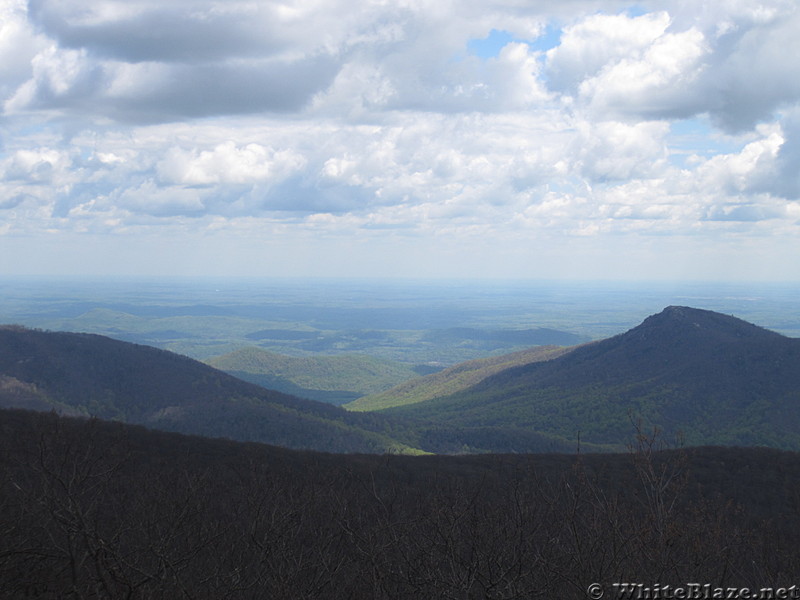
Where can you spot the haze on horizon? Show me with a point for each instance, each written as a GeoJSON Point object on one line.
{"type": "Point", "coordinates": [552, 139]}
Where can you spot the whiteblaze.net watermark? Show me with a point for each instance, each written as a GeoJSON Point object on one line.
{"type": "Point", "coordinates": [688, 591]}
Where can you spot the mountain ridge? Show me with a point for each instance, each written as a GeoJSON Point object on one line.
{"type": "Point", "coordinates": [702, 376]}
{"type": "Point", "coordinates": [93, 375]}
{"type": "Point", "coordinates": [453, 379]}
{"type": "Point", "coordinates": [711, 377]}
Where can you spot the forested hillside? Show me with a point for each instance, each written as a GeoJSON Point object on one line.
{"type": "Point", "coordinates": [701, 375]}
{"type": "Point", "coordinates": [334, 379]}
{"type": "Point", "coordinates": [84, 374]}
{"type": "Point", "coordinates": [454, 379]}
{"type": "Point", "coordinates": [108, 510]}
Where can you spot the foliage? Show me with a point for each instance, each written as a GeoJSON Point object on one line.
{"type": "Point", "coordinates": [94, 375]}
{"type": "Point", "coordinates": [335, 379]}
{"type": "Point", "coordinates": [452, 380]}
{"type": "Point", "coordinates": [710, 377]}
{"type": "Point", "coordinates": [715, 378]}
{"type": "Point", "coordinates": [104, 510]}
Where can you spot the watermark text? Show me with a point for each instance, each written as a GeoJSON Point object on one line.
{"type": "Point", "coordinates": [688, 591]}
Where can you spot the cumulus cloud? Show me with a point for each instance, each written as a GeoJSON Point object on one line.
{"type": "Point", "coordinates": [196, 31]}
{"type": "Point", "coordinates": [746, 171]}
{"type": "Point", "coordinates": [18, 45]}
{"type": "Point", "coordinates": [145, 61]}
{"type": "Point", "coordinates": [611, 150]}
{"type": "Point", "coordinates": [70, 80]}
{"type": "Point", "coordinates": [600, 41]}
{"type": "Point", "coordinates": [312, 119]}
{"type": "Point", "coordinates": [228, 163]}
{"type": "Point", "coordinates": [34, 166]}
{"type": "Point", "coordinates": [785, 180]}
{"type": "Point", "coordinates": [150, 199]}
{"type": "Point", "coordinates": [681, 63]}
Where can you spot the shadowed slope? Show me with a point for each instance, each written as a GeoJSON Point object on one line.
{"type": "Point", "coordinates": [94, 375]}
{"type": "Point", "coordinates": [715, 378]}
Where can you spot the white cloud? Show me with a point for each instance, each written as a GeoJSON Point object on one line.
{"type": "Point", "coordinates": [658, 82]}
{"type": "Point", "coordinates": [727, 60]}
{"type": "Point", "coordinates": [228, 163]}
{"type": "Point", "coordinates": [746, 171]}
{"type": "Point", "coordinates": [313, 122]}
{"type": "Point", "coordinates": [35, 166]}
{"type": "Point", "coordinates": [611, 150]}
{"type": "Point", "coordinates": [599, 42]}
{"type": "Point", "coordinates": [18, 45]}
{"type": "Point", "coordinates": [151, 199]}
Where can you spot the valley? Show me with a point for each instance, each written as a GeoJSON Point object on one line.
{"type": "Point", "coordinates": [334, 450]}
{"type": "Point", "coordinates": [700, 376]}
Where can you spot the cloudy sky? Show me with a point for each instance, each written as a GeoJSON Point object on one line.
{"type": "Point", "coordinates": [415, 138]}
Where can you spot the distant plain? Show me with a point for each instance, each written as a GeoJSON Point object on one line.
{"type": "Point", "coordinates": [419, 323]}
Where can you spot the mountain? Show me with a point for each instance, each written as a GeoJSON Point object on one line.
{"type": "Point", "coordinates": [455, 379]}
{"type": "Point", "coordinates": [86, 374]}
{"type": "Point", "coordinates": [333, 379]}
{"type": "Point", "coordinates": [708, 377]}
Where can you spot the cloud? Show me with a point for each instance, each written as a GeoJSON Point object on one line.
{"type": "Point", "coordinates": [151, 62]}
{"type": "Point", "coordinates": [786, 180]}
{"type": "Point", "coordinates": [314, 122]}
{"type": "Point", "coordinates": [610, 150]}
{"type": "Point", "coordinates": [13, 200]}
{"type": "Point", "coordinates": [198, 31]}
{"type": "Point", "coordinates": [68, 80]}
{"type": "Point", "coordinates": [227, 163]}
{"type": "Point", "coordinates": [752, 170]}
{"type": "Point", "coordinates": [141, 61]}
{"type": "Point", "coordinates": [151, 199]}
{"type": "Point", "coordinates": [740, 212]}
{"type": "Point", "coordinates": [18, 45]}
{"type": "Point", "coordinates": [592, 44]}
{"type": "Point", "coordinates": [34, 166]}
{"type": "Point", "coordinates": [657, 84]}
{"type": "Point", "coordinates": [682, 63]}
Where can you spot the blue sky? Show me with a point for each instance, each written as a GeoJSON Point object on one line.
{"type": "Point", "coordinates": [582, 139]}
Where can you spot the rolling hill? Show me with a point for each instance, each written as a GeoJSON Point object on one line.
{"type": "Point", "coordinates": [708, 377]}
{"type": "Point", "coordinates": [334, 379]}
{"type": "Point", "coordinates": [86, 374]}
{"type": "Point", "coordinates": [82, 374]}
{"type": "Point", "coordinates": [454, 379]}
{"type": "Point", "coordinates": [705, 377]}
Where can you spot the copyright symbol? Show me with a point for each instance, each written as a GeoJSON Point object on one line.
{"type": "Point", "coordinates": [595, 591]}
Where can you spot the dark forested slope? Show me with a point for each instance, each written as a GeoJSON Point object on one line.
{"type": "Point", "coordinates": [715, 378]}
{"type": "Point", "coordinates": [94, 375]}
{"type": "Point", "coordinates": [711, 378]}
{"type": "Point", "coordinates": [90, 509]}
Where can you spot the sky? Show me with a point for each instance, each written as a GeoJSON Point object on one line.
{"type": "Point", "coordinates": [522, 139]}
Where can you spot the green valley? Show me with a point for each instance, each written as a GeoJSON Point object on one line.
{"type": "Point", "coordinates": [335, 379]}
